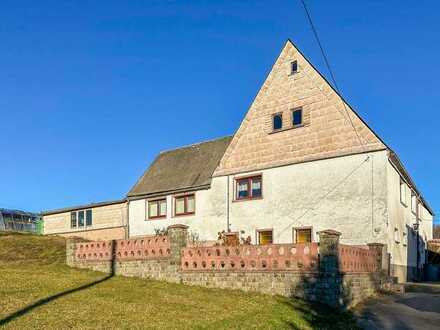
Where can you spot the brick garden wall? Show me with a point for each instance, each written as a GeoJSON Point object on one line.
{"type": "Point", "coordinates": [334, 274]}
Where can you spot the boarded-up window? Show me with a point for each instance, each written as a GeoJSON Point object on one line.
{"type": "Point", "coordinates": [303, 235]}
{"type": "Point", "coordinates": [265, 237]}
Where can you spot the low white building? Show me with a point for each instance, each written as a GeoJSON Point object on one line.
{"type": "Point", "coordinates": [301, 161]}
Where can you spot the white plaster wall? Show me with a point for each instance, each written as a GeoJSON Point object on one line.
{"type": "Point", "coordinates": [404, 251]}
{"type": "Point", "coordinates": [208, 220]}
{"type": "Point", "coordinates": [335, 194]}
{"type": "Point", "coordinates": [347, 194]}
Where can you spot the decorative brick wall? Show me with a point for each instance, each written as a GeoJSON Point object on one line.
{"type": "Point", "coordinates": [334, 274]}
{"type": "Point", "coordinates": [292, 257]}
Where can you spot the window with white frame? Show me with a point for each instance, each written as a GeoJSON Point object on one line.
{"type": "Point", "coordinates": [396, 235]}
{"type": "Point", "coordinates": [402, 192]}
{"type": "Point", "coordinates": [79, 219]}
{"type": "Point", "coordinates": [405, 239]}
{"type": "Point", "coordinates": [413, 203]}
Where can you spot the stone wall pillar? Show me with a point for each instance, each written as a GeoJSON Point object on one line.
{"type": "Point", "coordinates": [329, 251]}
{"type": "Point", "coordinates": [382, 256]}
{"type": "Point", "coordinates": [70, 250]}
{"type": "Point", "coordinates": [178, 236]}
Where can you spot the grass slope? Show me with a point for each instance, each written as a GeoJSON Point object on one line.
{"type": "Point", "coordinates": [32, 271]}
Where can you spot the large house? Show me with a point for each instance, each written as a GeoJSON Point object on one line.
{"type": "Point", "coordinates": [301, 161]}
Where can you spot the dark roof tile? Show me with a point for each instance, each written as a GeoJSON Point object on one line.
{"type": "Point", "coordinates": [184, 168]}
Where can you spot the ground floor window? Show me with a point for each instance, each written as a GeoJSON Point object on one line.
{"type": "Point", "coordinates": [302, 235]}
{"type": "Point", "coordinates": [265, 236]}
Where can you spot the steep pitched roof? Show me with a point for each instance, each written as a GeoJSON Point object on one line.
{"type": "Point", "coordinates": [181, 169]}
{"type": "Point", "coordinates": [327, 129]}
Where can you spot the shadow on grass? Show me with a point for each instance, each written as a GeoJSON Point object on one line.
{"type": "Point", "coordinates": [320, 316]}
{"type": "Point", "coordinates": [44, 301]}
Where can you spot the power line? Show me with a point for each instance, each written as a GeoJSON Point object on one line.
{"type": "Point", "coordinates": [337, 185]}
{"type": "Point", "coordinates": [327, 63]}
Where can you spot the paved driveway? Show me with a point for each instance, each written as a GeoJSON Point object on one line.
{"type": "Point", "coordinates": [413, 310]}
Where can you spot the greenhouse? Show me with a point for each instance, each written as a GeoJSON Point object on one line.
{"type": "Point", "coordinates": [16, 220]}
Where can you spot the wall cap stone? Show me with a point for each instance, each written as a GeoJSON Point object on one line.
{"type": "Point", "coordinates": [375, 244]}
{"type": "Point", "coordinates": [330, 232]}
{"type": "Point", "coordinates": [178, 226]}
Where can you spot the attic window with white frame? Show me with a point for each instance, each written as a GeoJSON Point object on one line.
{"type": "Point", "coordinates": [293, 67]}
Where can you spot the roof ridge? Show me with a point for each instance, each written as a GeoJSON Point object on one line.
{"type": "Point", "coordinates": [195, 144]}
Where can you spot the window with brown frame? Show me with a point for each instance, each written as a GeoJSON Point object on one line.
{"type": "Point", "coordinates": [303, 235]}
{"type": "Point", "coordinates": [184, 205]}
{"type": "Point", "coordinates": [249, 188]}
{"type": "Point", "coordinates": [265, 236]}
{"type": "Point", "coordinates": [157, 209]}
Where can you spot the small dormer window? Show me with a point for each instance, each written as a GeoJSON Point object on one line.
{"type": "Point", "coordinates": [293, 67]}
{"type": "Point", "coordinates": [277, 122]}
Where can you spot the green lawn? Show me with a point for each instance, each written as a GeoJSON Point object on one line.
{"type": "Point", "coordinates": [35, 284]}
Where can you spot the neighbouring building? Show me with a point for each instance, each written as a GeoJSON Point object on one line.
{"type": "Point", "coordinates": [17, 220]}
{"type": "Point", "coordinates": [97, 221]}
{"type": "Point", "coordinates": [301, 161]}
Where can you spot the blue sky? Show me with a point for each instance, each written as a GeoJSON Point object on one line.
{"type": "Point", "coordinates": [91, 91]}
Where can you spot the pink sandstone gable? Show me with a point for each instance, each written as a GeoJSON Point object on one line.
{"type": "Point", "coordinates": [326, 130]}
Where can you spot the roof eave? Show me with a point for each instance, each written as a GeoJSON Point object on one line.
{"type": "Point", "coordinates": [84, 206]}
{"type": "Point", "coordinates": [168, 192]}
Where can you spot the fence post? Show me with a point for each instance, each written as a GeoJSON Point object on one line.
{"type": "Point", "coordinates": [382, 256]}
{"type": "Point", "coordinates": [329, 251]}
{"type": "Point", "coordinates": [70, 249]}
{"type": "Point", "coordinates": [178, 236]}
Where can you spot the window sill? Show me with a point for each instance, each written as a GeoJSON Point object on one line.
{"type": "Point", "coordinates": [287, 129]}
{"type": "Point", "coordinates": [184, 214]}
{"type": "Point", "coordinates": [246, 199]}
{"type": "Point", "coordinates": [406, 205]}
{"type": "Point", "coordinates": [156, 218]}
